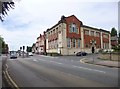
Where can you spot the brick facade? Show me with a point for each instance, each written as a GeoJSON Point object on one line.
{"type": "Point", "coordinates": [70, 36]}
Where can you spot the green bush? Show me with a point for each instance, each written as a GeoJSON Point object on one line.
{"type": "Point", "coordinates": [116, 48]}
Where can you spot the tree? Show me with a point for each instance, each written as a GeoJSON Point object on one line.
{"type": "Point", "coordinates": [20, 48]}
{"type": "Point", "coordinates": [6, 48]}
{"type": "Point", "coordinates": [33, 45]}
{"type": "Point", "coordinates": [5, 6]}
{"type": "Point", "coordinates": [29, 49]}
{"type": "Point", "coordinates": [113, 32]}
{"type": "Point", "coordinates": [1, 41]}
{"type": "Point", "coordinates": [3, 46]}
{"type": "Point", "coordinates": [119, 38]}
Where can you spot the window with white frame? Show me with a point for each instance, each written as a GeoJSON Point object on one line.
{"type": "Point", "coordinates": [92, 33]}
{"type": "Point", "coordinates": [105, 36]}
{"type": "Point", "coordinates": [74, 42]}
{"type": "Point", "coordinates": [68, 42]}
{"type": "Point", "coordinates": [78, 42]}
{"type": "Point", "coordinates": [56, 43]}
{"type": "Point", "coordinates": [86, 32]}
{"type": "Point", "coordinates": [97, 34]}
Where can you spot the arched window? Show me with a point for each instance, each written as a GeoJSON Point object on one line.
{"type": "Point", "coordinates": [73, 28]}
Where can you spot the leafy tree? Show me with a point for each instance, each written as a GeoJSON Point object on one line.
{"type": "Point", "coordinates": [113, 32]}
{"type": "Point", "coordinates": [5, 6]}
{"type": "Point", "coordinates": [3, 46]}
{"type": "Point", "coordinates": [29, 49]}
{"type": "Point", "coordinates": [20, 48]}
{"type": "Point", "coordinates": [33, 45]}
{"type": "Point", "coordinates": [119, 37]}
{"type": "Point", "coordinates": [1, 41]}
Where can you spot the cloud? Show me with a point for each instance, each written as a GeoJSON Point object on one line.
{"type": "Point", "coordinates": [31, 17]}
{"type": "Point", "coordinates": [19, 38]}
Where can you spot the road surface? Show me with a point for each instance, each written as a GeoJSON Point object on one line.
{"type": "Point", "coordinates": [65, 71]}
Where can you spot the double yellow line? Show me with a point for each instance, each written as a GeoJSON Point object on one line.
{"type": "Point", "coordinates": [9, 79]}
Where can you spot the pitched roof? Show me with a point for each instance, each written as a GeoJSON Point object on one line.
{"type": "Point", "coordinates": [63, 20]}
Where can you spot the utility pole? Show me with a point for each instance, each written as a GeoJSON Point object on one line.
{"type": "Point", "coordinates": [23, 50]}
{"type": "Point", "coordinates": [93, 43]}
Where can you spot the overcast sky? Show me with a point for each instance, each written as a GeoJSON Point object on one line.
{"type": "Point", "coordinates": [31, 17]}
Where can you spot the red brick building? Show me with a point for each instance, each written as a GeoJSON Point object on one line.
{"type": "Point", "coordinates": [70, 36]}
{"type": "Point", "coordinates": [40, 44]}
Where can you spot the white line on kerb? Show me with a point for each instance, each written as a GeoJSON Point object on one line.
{"type": "Point", "coordinates": [88, 69]}
{"type": "Point", "coordinates": [11, 80]}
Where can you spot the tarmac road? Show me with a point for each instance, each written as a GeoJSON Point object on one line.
{"type": "Point", "coordinates": [44, 71]}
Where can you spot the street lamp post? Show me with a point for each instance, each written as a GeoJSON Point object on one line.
{"type": "Point", "coordinates": [110, 55]}
{"type": "Point", "coordinates": [23, 50]}
{"type": "Point", "coordinates": [118, 51]}
{"type": "Point", "coordinates": [93, 42]}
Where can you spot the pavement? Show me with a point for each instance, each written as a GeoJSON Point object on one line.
{"type": "Point", "coordinates": [93, 59]}
{"type": "Point", "coordinates": [101, 62]}
{"type": "Point", "coordinates": [0, 72]}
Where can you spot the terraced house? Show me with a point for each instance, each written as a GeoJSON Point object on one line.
{"type": "Point", "coordinates": [70, 36]}
{"type": "Point", "coordinates": [41, 44]}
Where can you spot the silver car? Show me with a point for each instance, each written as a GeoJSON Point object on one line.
{"type": "Point", "coordinates": [13, 55]}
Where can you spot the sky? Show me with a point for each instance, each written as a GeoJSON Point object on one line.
{"type": "Point", "coordinates": [30, 18]}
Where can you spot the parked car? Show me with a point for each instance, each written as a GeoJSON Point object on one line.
{"type": "Point", "coordinates": [13, 55]}
{"type": "Point", "coordinates": [81, 54]}
{"type": "Point", "coordinates": [30, 54]}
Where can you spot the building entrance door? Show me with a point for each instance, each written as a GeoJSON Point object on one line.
{"type": "Point", "coordinates": [93, 49]}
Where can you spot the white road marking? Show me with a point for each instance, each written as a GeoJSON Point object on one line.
{"type": "Point", "coordinates": [56, 62]}
{"type": "Point", "coordinates": [34, 60]}
{"type": "Point", "coordinates": [42, 60]}
{"type": "Point", "coordinates": [50, 61]}
{"type": "Point", "coordinates": [75, 66]}
{"type": "Point", "coordinates": [88, 69]}
{"type": "Point", "coordinates": [48, 56]}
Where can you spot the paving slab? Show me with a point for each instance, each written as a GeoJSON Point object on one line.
{"type": "Point", "coordinates": [109, 63]}
{"type": "Point", "coordinates": [102, 62]}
